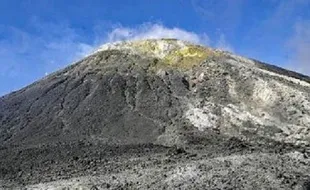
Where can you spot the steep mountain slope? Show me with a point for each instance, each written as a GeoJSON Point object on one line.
{"type": "Point", "coordinates": [158, 114]}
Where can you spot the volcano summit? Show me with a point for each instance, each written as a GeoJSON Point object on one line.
{"type": "Point", "coordinates": [158, 114]}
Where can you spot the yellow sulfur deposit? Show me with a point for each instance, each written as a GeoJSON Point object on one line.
{"type": "Point", "coordinates": [169, 52]}
{"type": "Point", "coordinates": [187, 57]}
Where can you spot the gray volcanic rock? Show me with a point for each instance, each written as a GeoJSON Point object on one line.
{"type": "Point", "coordinates": [158, 114]}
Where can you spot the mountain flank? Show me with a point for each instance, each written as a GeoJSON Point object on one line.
{"type": "Point", "coordinates": [158, 114]}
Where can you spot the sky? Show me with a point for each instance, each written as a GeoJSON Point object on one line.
{"type": "Point", "coordinates": [38, 37]}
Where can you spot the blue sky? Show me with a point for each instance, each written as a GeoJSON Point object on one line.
{"type": "Point", "coordinates": [38, 37]}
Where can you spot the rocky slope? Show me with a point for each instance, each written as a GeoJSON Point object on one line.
{"type": "Point", "coordinates": [158, 114]}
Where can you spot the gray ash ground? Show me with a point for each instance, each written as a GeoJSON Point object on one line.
{"type": "Point", "coordinates": [135, 116]}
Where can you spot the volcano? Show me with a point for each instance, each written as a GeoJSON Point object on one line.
{"type": "Point", "coordinates": [158, 114]}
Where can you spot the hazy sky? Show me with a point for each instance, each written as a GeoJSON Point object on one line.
{"type": "Point", "coordinates": [38, 37]}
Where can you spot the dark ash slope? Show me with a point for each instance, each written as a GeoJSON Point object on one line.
{"type": "Point", "coordinates": [118, 119]}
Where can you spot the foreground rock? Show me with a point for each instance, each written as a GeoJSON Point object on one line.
{"type": "Point", "coordinates": [158, 114]}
